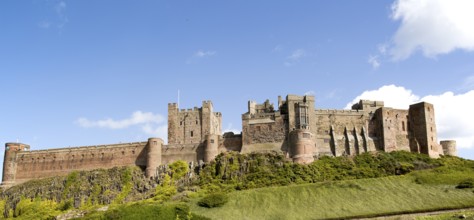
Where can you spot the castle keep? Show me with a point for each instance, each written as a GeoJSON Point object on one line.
{"type": "Point", "coordinates": [294, 128]}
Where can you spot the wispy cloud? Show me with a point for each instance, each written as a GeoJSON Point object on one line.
{"type": "Point", "coordinates": [202, 53]}
{"type": "Point", "coordinates": [468, 83]}
{"type": "Point", "coordinates": [59, 20]}
{"type": "Point", "coordinates": [44, 24]}
{"type": "Point", "coordinates": [295, 57]}
{"type": "Point", "coordinates": [311, 92]}
{"type": "Point", "coordinates": [151, 124]}
{"type": "Point", "coordinates": [334, 94]}
{"type": "Point", "coordinates": [136, 118]}
{"type": "Point", "coordinates": [382, 48]}
{"type": "Point", "coordinates": [199, 55]}
{"type": "Point", "coordinates": [374, 61]}
{"type": "Point", "coordinates": [277, 48]}
{"type": "Point", "coordinates": [60, 9]}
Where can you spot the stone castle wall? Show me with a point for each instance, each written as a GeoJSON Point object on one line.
{"type": "Point", "coordinates": [48, 163]}
{"type": "Point", "coordinates": [341, 132]}
{"type": "Point", "coordinates": [295, 128]}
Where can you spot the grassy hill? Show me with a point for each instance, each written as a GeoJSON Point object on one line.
{"type": "Point", "coordinates": [341, 199]}
{"type": "Point", "coordinates": [258, 186]}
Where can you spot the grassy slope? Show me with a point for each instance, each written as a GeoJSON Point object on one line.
{"type": "Point", "coordinates": [449, 216]}
{"type": "Point", "coordinates": [365, 197]}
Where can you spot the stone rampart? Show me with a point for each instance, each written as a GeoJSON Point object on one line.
{"type": "Point", "coordinates": [47, 163]}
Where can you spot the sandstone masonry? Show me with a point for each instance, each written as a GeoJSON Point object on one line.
{"type": "Point", "coordinates": [296, 129]}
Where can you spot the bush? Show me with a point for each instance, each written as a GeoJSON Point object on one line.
{"type": "Point", "coordinates": [213, 200]}
{"type": "Point", "coordinates": [466, 184]}
{"type": "Point", "coordinates": [179, 169]}
{"type": "Point", "coordinates": [165, 190]}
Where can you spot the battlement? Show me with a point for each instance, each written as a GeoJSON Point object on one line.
{"type": "Point", "coordinates": [308, 98]}
{"type": "Point", "coordinates": [338, 111]}
{"type": "Point", "coordinates": [254, 108]}
{"type": "Point", "coordinates": [195, 109]}
{"type": "Point", "coordinates": [82, 148]}
{"type": "Point", "coordinates": [297, 129]}
{"type": "Point", "coordinates": [368, 105]}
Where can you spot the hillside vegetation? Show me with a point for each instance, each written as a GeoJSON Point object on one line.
{"type": "Point", "coordinates": [254, 186]}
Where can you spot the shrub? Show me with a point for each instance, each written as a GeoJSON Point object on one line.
{"type": "Point", "coordinates": [179, 169]}
{"type": "Point", "coordinates": [213, 200]}
{"type": "Point", "coordinates": [165, 190]}
{"type": "Point", "coordinates": [466, 184]}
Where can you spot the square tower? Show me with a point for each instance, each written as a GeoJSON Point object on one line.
{"type": "Point", "coordinates": [190, 126]}
{"type": "Point", "coordinates": [423, 138]}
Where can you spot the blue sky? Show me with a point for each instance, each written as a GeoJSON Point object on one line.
{"type": "Point", "coordinates": [79, 73]}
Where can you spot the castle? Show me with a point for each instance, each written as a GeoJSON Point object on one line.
{"type": "Point", "coordinates": [296, 129]}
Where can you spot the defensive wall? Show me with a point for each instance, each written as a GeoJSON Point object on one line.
{"type": "Point", "coordinates": [294, 128]}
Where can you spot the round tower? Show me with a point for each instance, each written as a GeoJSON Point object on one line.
{"type": "Point", "coordinates": [211, 147]}
{"type": "Point", "coordinates": [449, 147]}
{"type": "Point", "coordinates": [9, 162]}
{"type": "Point", "coordinates": [301, 146]}
{"type": "Point", "coordinates": [153, 159]}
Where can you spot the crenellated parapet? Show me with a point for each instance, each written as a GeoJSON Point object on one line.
{"type": "Point", "coordinates": [295, 128]}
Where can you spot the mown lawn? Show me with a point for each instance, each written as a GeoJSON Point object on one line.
{"type": "Point", "coordinates": [364, 197]}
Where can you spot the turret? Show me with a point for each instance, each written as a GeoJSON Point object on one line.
{"type": "Point", "coordinates": [449, 147]}
{"type": "Point", "coordinates": [301, 146]}
{"type": "Point", "coordinates": [9, 162]}
{"type": "Point", "coordinates": [211, 147]}
{"type": "Point", "coordinates": [153, 158]}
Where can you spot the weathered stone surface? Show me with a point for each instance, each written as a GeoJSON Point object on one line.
{"type": "Point", "coordinates": [195, 135]}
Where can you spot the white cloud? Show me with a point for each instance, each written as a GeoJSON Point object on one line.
{"type": "Point", "coordinates": [332, 94]}
{"type": "Point", "coordinates": [454, 116]}
{"type": "Point", "coordinates": [374, 62]}
{"type": "Point", "coordinates": [231, 128]}
{"type": "Point", "coordinates": [60, 9]}
{"type": "Point", "coordinates": [202, 53]}
{"type": "Point", "coordinates": [277, 48]}
{"type": "Point", "coordinates": [295, 57]}
{"type": "Point", "coordinates": [382, 48]}
{"type": "Point", "coordinates": [151, 124]}
{"type": "Point", "coordinates": [432, 26]}
{"type": "Point", "coordinates": [136, 118]}
{"type": "Point", "coordinates": [468, 83]}
{"type": "Point", "coordinates": [393, 96]}
{"type": "Point", "coordinates": [297, 54]}
{"type": "Point", "coordinates": [44, 24]}
{"type": "Point", "coordinates": [311, 92]}
{"type": "Point", "coordinates": [452, 111]}
{"type": "Point", "coordinates": [160, 131]}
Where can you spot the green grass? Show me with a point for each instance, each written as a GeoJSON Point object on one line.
{"type": "Point", "coordinates": [258, 186]}
{"type": "Point", "coordinates": [145, 210]}
{"type": "Point", "coordinates": [450, 215]}
{"type": "Point", "coordinates": [364, 197]}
